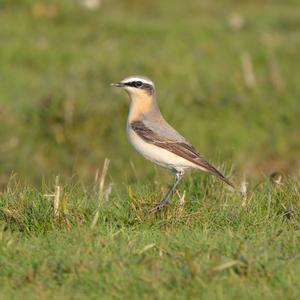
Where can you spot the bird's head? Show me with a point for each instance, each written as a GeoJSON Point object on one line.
{"type": "Point", "coordinates": [136, 86]}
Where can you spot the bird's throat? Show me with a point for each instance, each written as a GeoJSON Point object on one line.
{"type": "Point", "coordinates": [141, 105]}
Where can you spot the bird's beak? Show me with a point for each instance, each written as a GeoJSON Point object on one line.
{"type": "Point", "coordinates": [118, 84]}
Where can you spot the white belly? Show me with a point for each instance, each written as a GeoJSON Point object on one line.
{"type": "Point", "coordinates": [157, 154]}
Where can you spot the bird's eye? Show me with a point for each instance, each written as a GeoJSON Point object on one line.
{"type": "Point", "coordinates": [138, 83]}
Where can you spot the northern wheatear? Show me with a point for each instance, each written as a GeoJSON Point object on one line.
{"type": "Point", "coordinates": [155, 139]}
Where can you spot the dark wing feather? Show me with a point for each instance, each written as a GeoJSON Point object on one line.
{"type": "Point", "coordinates": [182, 149]}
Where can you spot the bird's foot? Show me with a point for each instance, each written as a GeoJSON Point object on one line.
{"type": "Point", "coordinates": [158, 207]}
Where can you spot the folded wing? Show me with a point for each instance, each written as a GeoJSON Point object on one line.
{"type": "Point", "coordinates": [169, 139]}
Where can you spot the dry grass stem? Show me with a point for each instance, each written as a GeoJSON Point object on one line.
{"type": "Point", "coordinates": [247, 68]}
{"type": "Point", "coordinates": [243, 191]}
{"type": "Point", "coordinates": [102, 178]}
{"type": "Point", "coordinates": [57, 193]}
{"type": "Point", "coordinates": [181, 200]}
{"type": "Point", "coordinates": [103, 195]}
{"type": "Point", "coordinates": [275, 74]}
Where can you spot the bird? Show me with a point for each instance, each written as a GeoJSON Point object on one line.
{"type": "Point", "coordinates": [156, 140]}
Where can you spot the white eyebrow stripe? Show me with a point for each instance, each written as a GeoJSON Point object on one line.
{"type": "Point", "coordinates": [127, 80]}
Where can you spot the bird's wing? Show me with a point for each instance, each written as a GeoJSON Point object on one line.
{"type": "Point", "coordinates": [164, 130]}
{"type": "Point", "coordinates": [171, 140]}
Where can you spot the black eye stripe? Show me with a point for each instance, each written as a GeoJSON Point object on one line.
{"type": "Point", "coordinates": [141, 85]}
{"type": "Point", "coordinates": [136, 84]}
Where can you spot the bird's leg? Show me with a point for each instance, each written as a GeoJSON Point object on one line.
{"type": "Point", "coordinates": [160, 205]}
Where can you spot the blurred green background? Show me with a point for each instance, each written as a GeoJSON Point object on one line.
{"type": "Point", "coordinates": [226, 72]}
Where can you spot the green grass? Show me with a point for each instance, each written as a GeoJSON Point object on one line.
{"type": "Point", "coordinates": [216, 245]}
{"type": "Point", "coordinates": [59, 116]}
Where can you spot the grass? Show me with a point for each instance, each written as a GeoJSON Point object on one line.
{"type": "Point", "coordinates": [213, 245]}
{"type": "Point", "coordinates": [226, 76]}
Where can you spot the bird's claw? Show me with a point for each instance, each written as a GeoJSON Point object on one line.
{"type": "Point", "coordinates": [156, 208]}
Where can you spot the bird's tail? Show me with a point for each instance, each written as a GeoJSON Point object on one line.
{"type": "Point", "coordinates": [206, 166]}
{"type": "Point", "coordinates": [219, 175]}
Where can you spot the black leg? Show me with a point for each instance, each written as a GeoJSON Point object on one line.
{"type": "Point", "coordinates": [165, 200]}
